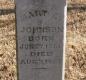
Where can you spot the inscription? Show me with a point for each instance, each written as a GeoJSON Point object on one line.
{"type": "Point", "coordinates": [40, 38]}
{"type": "Point", "coordinates": [38, 46]}
{"type": "Point", "coordinates": [34, 13]}
{"type": "Point", "coordinates": [36, 61]}
{"type": "Point", "coordinates": [36, 29]}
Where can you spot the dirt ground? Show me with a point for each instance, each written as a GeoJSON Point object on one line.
{"type": "Point", "coordinates": [75, 63]}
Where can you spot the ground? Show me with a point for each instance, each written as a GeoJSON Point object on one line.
{"type": "Point", "coordinates": [75, 54]}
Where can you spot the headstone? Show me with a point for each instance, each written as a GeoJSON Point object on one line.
{"type": "Point", "coordinates": [40, 39]}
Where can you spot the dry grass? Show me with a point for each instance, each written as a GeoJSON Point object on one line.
{"type": "Point", "coordinates": [76, 46]}
{"type": "Point", "coordinates": [6, 4]}
{"type": "Point", "coordinates": [7, 48]}
{"type": "Point", "coordinates": [76, 1]}
{"type": "Point", "coordinates": [75, 49]}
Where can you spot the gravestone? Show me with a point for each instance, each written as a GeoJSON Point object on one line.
{"type": "Point", "coordinates": [40, 39]}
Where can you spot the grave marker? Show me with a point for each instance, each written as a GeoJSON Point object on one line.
{"type": "Point", "coordinates": [40, 39]}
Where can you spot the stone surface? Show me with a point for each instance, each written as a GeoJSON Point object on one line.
{"type": "Point", "coordinates": [40, 37]}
